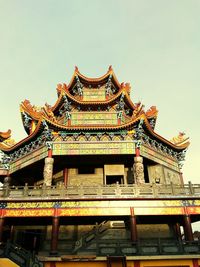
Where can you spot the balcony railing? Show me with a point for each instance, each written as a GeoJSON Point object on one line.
{"type": "Point", "coordinates": [104, 248]}
{"type": "Point", "coordinates": [143, 247]}
{"type": "Point", "coordinates": [101, 191]}
{"type": "Point", "coordinates": [19, 255]}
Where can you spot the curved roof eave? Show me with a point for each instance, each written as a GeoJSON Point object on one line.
{"type": "Point", "coordinates": [167, 142]}
{"type": "Point", "coordinates": [5, 135]}
{"type": "Point", "coordinates": [26, 139]}
{"type": "Point", "coordinates": [36, 115]}
{"type": "Point", "coordinates": [93, 80]}
{"type": "Point", "coordinates": [58, 102]}
{"type": "Point", "coordinates": [103, 102]}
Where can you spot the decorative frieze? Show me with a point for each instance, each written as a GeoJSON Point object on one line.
{"type": "Point", "coordinates": [94, 148]}
{"type": "Point", "coordinates": [163, 149]}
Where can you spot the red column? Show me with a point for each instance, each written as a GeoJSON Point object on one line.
{"type": "Point", "coordinates": [2, 220]}
{"type": "Point", "coordinates": [133, 226]}
{"type": "Point", "coordinates": [54, 235]}
{"type": "Point", "coordinates": [136, 263]}
{"type": "Point", "coordinates": [188, 228]}
{"type": "Point", "coordinates": [137, 152]}
{"type": "Point", "coordinates": [65, 175]}
{"type": "Point", "coordinates": [178, 230]}
{"type": "Point", "coordinates": [49, 153]}
{"type": "Point", "coordinates": [195, 263]}
{"type": "Point", "coordinates": [12, 232]}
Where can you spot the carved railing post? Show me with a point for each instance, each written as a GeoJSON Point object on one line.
{"type": "Point", "coordinates": [26, 190]}
{"type": "Point", "coordinates": [172, 188]}
{"type": "Point", "coordinates": [138, 170]}
{"type": "Point", "coordinates": [191, 188]}
{"type": "Point", "coordinates": [155, 189]}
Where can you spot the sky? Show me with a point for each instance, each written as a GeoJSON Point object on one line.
{"type": "Point", "coordinates": [153, 44]}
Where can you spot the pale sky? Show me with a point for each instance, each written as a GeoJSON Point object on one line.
{"type": "Point", "coordinates": [153, 44]}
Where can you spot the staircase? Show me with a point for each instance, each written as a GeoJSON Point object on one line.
{"type": "Point", "coordinates": [100, 232]}
{"type": "Point", "coordinates": [19, 255]}
{"type": "Point", "coordinates": [86, 239]}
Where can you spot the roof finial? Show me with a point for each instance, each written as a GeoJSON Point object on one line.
{"type": "Point", "coordinates": [110, 68]}
{"type": "Point", "coordinates": [76, 69]}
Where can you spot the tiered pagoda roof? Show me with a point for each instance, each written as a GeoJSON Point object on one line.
{"type": "Point", "coordinates": [85, 96]}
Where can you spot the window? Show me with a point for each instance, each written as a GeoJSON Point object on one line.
{"type": "Point", "coordinates": [86, 170]}
{"type": "Point", "coordinates": [113, 179]}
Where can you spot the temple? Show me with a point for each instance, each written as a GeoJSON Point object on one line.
{"type": "Point", "coordinates": [93, 184]}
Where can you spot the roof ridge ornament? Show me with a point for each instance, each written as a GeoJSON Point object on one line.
{"type": "Point", "coordinates": [138, 133]}
{"type": "Point", "coordinates": [110, 68]}
{"type": "Point", "coordinates": [108, 86]}
{"type": "Point", "coordinates": [121, 103]}
{"type": "Point", "coordinates": [78, 89]}
{"type": "Point", "coordinates": [180, 139]}
{"type": "Point", "coordinates": [5, 135]}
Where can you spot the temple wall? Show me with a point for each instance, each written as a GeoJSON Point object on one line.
{"type": "Point", "coordinates": [163, 175]}
{"type": "Point", "coordinates": [154, 231]}
{"type": "Point", "coordinates": [76, 179]}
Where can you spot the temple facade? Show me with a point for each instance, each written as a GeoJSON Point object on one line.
{"type": "Point", "coordinates": [93, 184]}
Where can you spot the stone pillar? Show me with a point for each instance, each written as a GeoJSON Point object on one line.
{"type": "Point", "coordinates": [133, 226]}
{"type": "Point", "coordinates": [188, 228]}
{"type": "Point", "coordinates": [54, 235]}
{"type": "Point", "coordinates": [48, 171]}
{"type": "Point", "coordinates": [138, 170]}
{"type": "Point", "coordinates": [2, 220]}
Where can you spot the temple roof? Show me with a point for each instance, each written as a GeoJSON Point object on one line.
{"type": "Point", "coordinates": [5, 135]}
{"type": "Point", "coordinates": [83, 105]}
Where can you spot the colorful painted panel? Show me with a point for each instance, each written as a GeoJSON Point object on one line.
{"type": "Point", "coordinates": [28, 159]}
{"type": "Point", "coordinates": [93, 118]}
{"type": "Point", "coordinates": [97, 208]}
{"type": "Point", "coordinates": [159, 158]}
{"type": "Point", "coordinates": [97, 211]}
{"type": "Point", "coordinates": [95, 148]}
{"type": "Point", "coordinates": [101, 204]}
{"type": "Point", "coordinates": [94, 94]}
{"type": "Point", "coordinates": [29, 212]}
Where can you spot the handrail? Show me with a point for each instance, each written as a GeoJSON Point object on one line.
{"type": "Point", "coordinates": [145, 247]}
{"type": "Point", "coordinates": [19, 255]}
{"type": "Point", "coordinates": [101, 191]}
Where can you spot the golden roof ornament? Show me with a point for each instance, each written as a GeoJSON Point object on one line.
{"type": "Point", "coordinates": [9, 142]}
{"type": "Point", "coordinates": [180, 139]}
